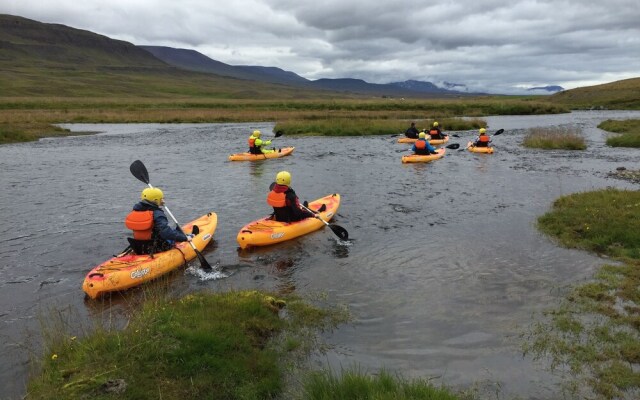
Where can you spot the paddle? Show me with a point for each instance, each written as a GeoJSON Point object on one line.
{"type": "Point", "coordinates": [338, 230]}
{"type": "Point", "coordinates": [138, 170]}
{"type": "Point", "coordinates": [451, 146]}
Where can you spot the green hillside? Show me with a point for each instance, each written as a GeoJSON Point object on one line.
{"type": "Point", "coordinates": [39, 59]}
{"type": "Point", "coordinates": [619, 95]}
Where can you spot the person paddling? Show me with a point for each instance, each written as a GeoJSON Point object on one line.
{"type": "Point", "coordinates": [285, 202]}
{"type": "Point", "coordinates": [422, 146]}
{"type": "Point", "coordinates": [151, 230]}
{"type": "Point", "coordinates": [412, 131]}
{"type": "Point", "coordinates": [435, 132]}
{"type": "Point", "coordinates": [257, 145]}
{"type": "Point", "coordinates": [483, 139]}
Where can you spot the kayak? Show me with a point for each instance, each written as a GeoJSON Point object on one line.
{"type": "Point", "coordinates": [285, 151]}
{"type": "Point", "coordinates": [416, 158]}
{"type": "Point", "coordinates": [475, 149]}
{"type": "Point", "coordinates": [266, 231]}
{"type": "Point", "coordinates": [128, 269]}
{"type": "Point", "coordinates": [431, 141]}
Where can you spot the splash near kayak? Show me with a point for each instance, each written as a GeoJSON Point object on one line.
{"type": "Point", "coordinates": [266, 231]}
{"type": "Point", "coordinates": [128, 269]}
{"type": "Point", "coordinates": [476, 149]}
{"type": "Point", "coordinates": [285, 151]}
{"type": "Point", "coordinates": [418, 158]}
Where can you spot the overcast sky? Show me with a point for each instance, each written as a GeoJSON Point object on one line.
{"type": "Point", "coordinates": [498, 46]}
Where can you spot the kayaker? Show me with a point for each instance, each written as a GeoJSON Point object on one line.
{"type": "Point", "coordinates": [412, 131]}
{"type": "Point", "coordinates": [257, 145]}
{"type": "Point", "coordinates": [285, 202]}
{"type": "Point", "coordinates": [422, 146]}
{"type": "Point", "coordinates": [435, 132]}
{"type": "Point", "coordinates": [483, 139]}
{"type": "Point", "coordinates": [151, 230]}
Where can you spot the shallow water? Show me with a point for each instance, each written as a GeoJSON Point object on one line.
{"type": "Point", "coordinates": [444, 268]}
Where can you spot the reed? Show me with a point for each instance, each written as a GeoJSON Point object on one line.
{"type": "Point", "coordinates": [555, 138]}
{"type": "Point", "coordinates": [629, 132]}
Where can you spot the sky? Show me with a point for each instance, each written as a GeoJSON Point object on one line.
{"type": "Point", "coordinates": [493, 46]}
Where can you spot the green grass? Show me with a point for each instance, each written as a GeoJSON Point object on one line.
{"type": "Point", "coordinates": [605, 221]}
{"type": "Point", "coordinates": [357, 385]}
{"type": "Point", "coordinates": [618, 95]}
{"type": "Point", "coordinates": [595, 331]}
{"type": "Point", "coordinates": [556, 138]}
{"type": "Point", "coordinates": [629, 132]}
{"type": "Point", "coordinates": [216, 346]}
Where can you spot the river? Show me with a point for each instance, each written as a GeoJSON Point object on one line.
{"type": "Point", "coordinates": [444, 267]}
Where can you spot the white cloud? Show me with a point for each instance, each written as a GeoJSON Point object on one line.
{"type": "Point", "coordinates": [489, 45]}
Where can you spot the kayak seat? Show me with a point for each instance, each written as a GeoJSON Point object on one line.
{"type": "Point", "coordinates": [141, 246]}
{"type": "Point", "coordinates": [195, 230]}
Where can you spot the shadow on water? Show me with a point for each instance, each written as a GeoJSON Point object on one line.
{"type": "Point", "coordinates": [442, 269]}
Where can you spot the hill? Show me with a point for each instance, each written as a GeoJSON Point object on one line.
{"type": "Point", "coordinates": [39, 59]}
{"type": "Point", "coordinates": [624, 94]}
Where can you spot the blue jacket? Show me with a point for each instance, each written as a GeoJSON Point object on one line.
{"type": "Point", "coordinates": [160, 223]}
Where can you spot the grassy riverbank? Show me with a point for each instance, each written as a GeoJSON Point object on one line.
{"type": "Point", "coordinates": [594, 334]}
{"type": "Point", "coordinates": [629, 132]}
{"type": "Point", "coordinates": [236, 345]}
{"type": "Point", "coordinates": [557, 138]}
{"type": "Point", "coordinates": [31, 118]}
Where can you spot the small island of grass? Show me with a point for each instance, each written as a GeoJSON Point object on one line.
{"type": "Point", "coordinates": [555, 138]}
{"type": "Point", "coordinates": [628, 130]}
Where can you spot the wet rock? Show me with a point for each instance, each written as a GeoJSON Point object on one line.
{"type": "Point", "coordinates": [620, 169]}
{"type": "Point", "coordinates": [115, 386]}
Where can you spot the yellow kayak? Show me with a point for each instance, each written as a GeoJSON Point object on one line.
{"type": "Point", "coordinates": [285, 151]}
{"type": "Point", "coordinates": [267, 231]}
{"type": "Point", "coordinates": [417, 158]}
{"type": "Point", "coordinates": [431, 141]}
{"type": "Point", "coordinates": [128, 269]}
{"type": "Point", "coordinates": [476, 149]}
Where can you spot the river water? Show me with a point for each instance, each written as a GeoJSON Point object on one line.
{"type": "Point", "coordinates": [443, 270]}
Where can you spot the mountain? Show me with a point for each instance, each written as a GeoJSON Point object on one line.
{"type": "Point", "coordinates": [548, 89]}
{"type": "Point", "coordinates": [39, 59]}
{"type": "Point", "coordinates": [195, 61]}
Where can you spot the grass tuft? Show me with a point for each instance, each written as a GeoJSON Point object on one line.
{"type": "Point", "coordinates": [629, 132]}
{"type": "Point", "coordinates": [555, 138]}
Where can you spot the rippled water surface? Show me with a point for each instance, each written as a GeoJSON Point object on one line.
{"type": "Point", "coordinates": [444, 270]}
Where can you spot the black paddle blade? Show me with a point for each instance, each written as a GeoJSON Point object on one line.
{"type": "Point", "coordinates": [279, 133]}
{"type": "Point", "coordinates": [339, 231]}
{"type": "Point", "coordinates": [453, 146]}
{"type": "Point", "coordinates": [498, 132]}
{"type": "Point", "coordinates": [138, 170]}
{"type": "Point", "coordinates": [203, 261]}
{"type": "Point", "coordinates": [454, 135]}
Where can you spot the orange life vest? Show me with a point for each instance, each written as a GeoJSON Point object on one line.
{"type": "Point", "coordinates": [421, 144]}
{"type": "Point", "coordinates": [434, 132]}
{"type": "Point", "coordinates": [252, 142]}
{"type": "Point", "coordinates": [141, 223]}
{"type": "Point", "coordinates": [276, 200]}
{"type": "Point", "coordinates": [483, 138]}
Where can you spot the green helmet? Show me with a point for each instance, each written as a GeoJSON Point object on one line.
{"type": "Point", "coordinates": [256, 133]}
{"type": "Point", "coordinates": [483, 131]}
{"type": "Point", "coordinates": [435, 124]}
{"type": "Point", "coordinates": [153, 195]}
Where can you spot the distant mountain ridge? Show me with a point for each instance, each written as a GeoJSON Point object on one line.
{"type": "Point", "coordinates": [195, 61]}
{"type": "Point", "coordinates": [549, 89]}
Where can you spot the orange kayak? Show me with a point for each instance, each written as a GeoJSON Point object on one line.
{"type": "Point", "coordinates": [127, 269]}
{"type": "Point", "coordinates": [417, 158]}
{"type": "Point", "coordinates": [475, 149]}
{"type": "Point", "coordinates": [266, 231]}
{"type": "Point", "coordinates": [285, 151]}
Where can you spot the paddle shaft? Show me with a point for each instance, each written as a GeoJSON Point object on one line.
{"type": "Point", "coordinates": [315, 215]}
{"type": "Point", "coordinates": [193, 246]}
